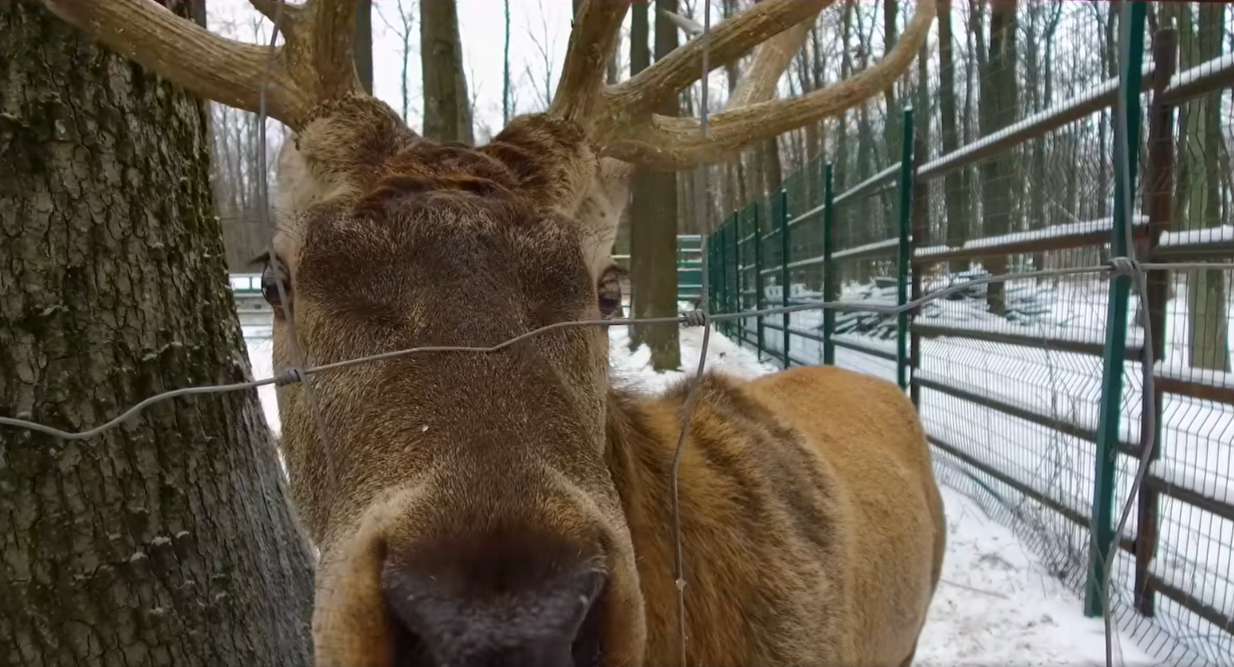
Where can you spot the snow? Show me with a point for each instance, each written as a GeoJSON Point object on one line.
{"type": "Point", "coordinates": [996, 603]}
{"type": "Point", "coordinates": [1222, 234]}
{"type": "Point", "coordinates": [1055, 231]}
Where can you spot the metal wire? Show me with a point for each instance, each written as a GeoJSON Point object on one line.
{"type": "Point", "coordinates": [688, 319]}
{"type": "Point", "coordinates": [702, 312]}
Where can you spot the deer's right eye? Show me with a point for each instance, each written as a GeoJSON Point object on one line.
{"type": "Point", "coordinates": [270, 278]}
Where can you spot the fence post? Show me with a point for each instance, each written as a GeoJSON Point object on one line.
{"type": "Point", "coordinates": [831, 290]}
{"type": "Point", "coordinates": [921, 238]}
{"type": "Point", "coordinates": [717, 262]}
{"type": "Point", "coordinates": [711, 272]}
{"type": "Point", "coordinates": [758, 277]}
{"type": "Point", "coordinates": [739, 233]}
{"type": "Point", "coordinates": [734, 298]}
{"type": "Point", "coordinates": [906, 228]}
{"type": "Point", "coordinates": [780, 214]}
{"type": "Point", "coordinates": [722, 267]}
{"type": "Point", "coordinates": [1157, 195]}
{"type": "Point", "coordinates": [1103, 538]}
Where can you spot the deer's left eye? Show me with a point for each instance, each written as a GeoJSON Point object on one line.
{"type": "Point", "coordinates": [270, 278]}
{"type": "Point", "coordinates": [610, 294]}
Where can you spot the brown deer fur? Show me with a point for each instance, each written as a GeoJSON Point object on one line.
{"type": "Point", "coordinates": [812, 527]}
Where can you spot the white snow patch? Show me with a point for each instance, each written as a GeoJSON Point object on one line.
{"type": "Point", "coordinates": [997, 605]}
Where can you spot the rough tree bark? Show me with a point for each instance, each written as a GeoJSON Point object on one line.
{"type": "Point", "coordinates": [166, 541]}
{"type": "Point", "coordinates": [653, 229]}
{"type": "Point", "coordinates": [447, 113]}
{"type": "Point", "coordinates": [363, 45]}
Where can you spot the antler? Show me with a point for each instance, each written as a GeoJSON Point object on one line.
{"type": "Point", "coordinates": [620, 119]}
{"type": "Point", "coordinates": [312, 66]}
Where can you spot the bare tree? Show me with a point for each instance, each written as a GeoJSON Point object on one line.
{"type": "Point", "coordinates": [447, 112]}
{"type": "Point", "coordinates": [953, 190]}
{"type": "Point", "coordinates": [403, 29]}
{"type": "Point", "coordinates": [362, 46]}
{"type": "Point", "coordinates": [1197, 186]}
{"type": "Point", "coordinates": [543, 41]}
{"type": "Point", "coordinates": [653, 230]}
{"type": "Point", "coordinates": [507, 107]}
{"type": "Point", "coordinates": [167, 540]}
{"type": "Point", "coordinates": [999, 108]}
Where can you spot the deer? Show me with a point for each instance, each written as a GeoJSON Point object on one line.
{"type": "Point", "coordinates": [515, 507]}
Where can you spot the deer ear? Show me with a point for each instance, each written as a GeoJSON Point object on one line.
{"type": "Point", "coordinates": [550, 158]}
{"type": "Point", "coordinates": [599, 214]}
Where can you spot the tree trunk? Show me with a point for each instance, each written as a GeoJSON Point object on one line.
{"type": "Point", "coordinates": [974, 65]}
{"type": "Point", "coordinates": [891, 130]}
{"type": "Point", "coordinates": [447, 113]}
{"type": "Point", "coordinates": [998, 110]}
{"type": "Point", "coordinates": [165, 541]}
{"type": "Point", "coordinates": [1197, 197]}
{"type": "Point", "coordinates": [363, 46]}
{"type": "Point", "coordinates": [507, 112]}
{"type": "Point", "coordinates": [653, 232]}
{"type": "Point", "coordinates": [1048, 145]}
{"type": "Point", "coordinates": [953, 194]}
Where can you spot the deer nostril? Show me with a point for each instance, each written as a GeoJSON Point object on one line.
{"type": "Point", "coordinates": [442, 621]}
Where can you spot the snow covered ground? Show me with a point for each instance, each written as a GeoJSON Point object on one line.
{"type": "Point", "coordinates": [996, 604]}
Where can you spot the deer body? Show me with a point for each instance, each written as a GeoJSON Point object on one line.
{"type": "Point", "coordinates": [511, 507]}
{"type": "Point", "coordinates": [789, 485]}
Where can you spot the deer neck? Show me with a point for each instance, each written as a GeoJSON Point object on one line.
{"type": "Point", "coordinates": [641, 440]}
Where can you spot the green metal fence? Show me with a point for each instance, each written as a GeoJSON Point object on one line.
{"type": "Point", "coordinates": [689, 266]}
{"type": "Point", "coordinates": [1030, 389]}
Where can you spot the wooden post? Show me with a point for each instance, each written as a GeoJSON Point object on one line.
{"type": "Point", "coordinates": [1158, 188]}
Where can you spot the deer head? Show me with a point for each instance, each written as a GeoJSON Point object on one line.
{"type": "Point", "coordinates": [462, 503]}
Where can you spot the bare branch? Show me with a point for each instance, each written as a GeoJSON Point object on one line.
{"type": "Point", "coordinates": [675, 143]}
{"type": "Point", "coordinates": [592, 41]}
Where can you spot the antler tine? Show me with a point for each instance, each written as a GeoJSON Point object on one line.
{"type": "Point", "coordinates": [729, 41]}
{"type": "Point", "coordinates": [313, 66]}
{"type": "Point", "coordinates": [771, 60]}
{"type": "Point", "coordinates": [666, 143]}
{"type": "Point", "coordinates": [592, 41]}
{"type": "Point", "coordinates": [329, 43]}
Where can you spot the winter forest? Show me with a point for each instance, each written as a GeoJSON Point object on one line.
{"type": "Point", "coordinates": [987, 66]}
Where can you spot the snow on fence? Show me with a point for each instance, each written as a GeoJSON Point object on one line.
{"type": "Point", "coordinates": [1036, 411]}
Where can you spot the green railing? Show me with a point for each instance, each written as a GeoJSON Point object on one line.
{"type": "Point", "coordinates": [870, 243]}
{"type": "Point", "coordinates": [689, 266]}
